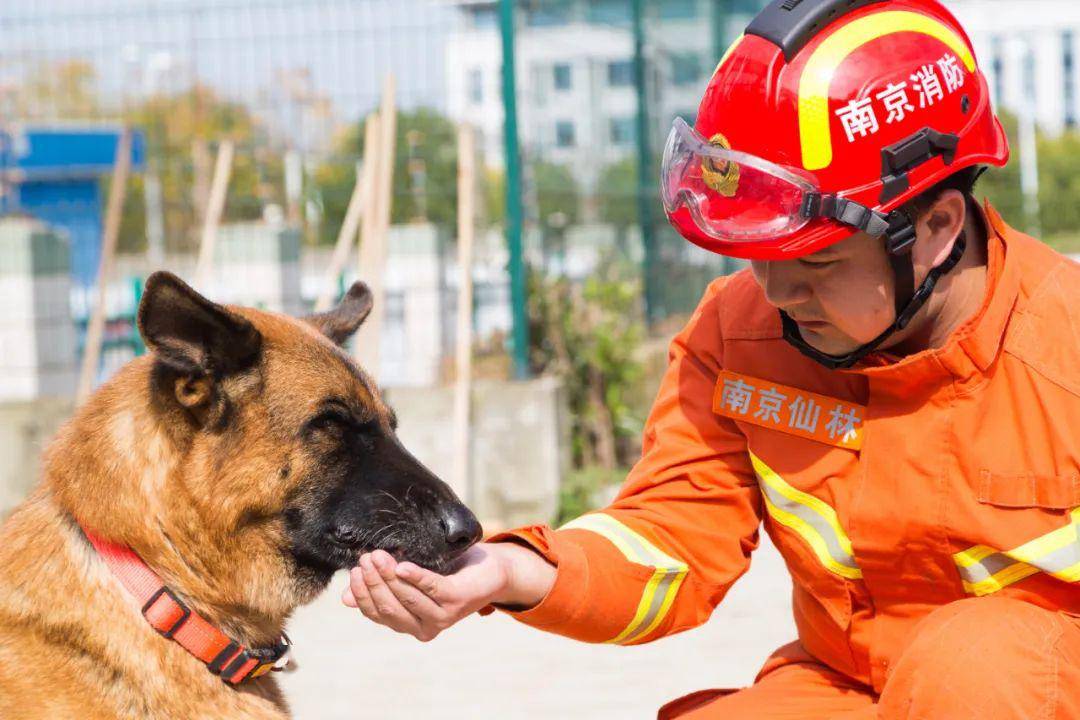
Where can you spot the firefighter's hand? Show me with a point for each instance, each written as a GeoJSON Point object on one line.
{"type": "Point", "coordinates": [421, 603]}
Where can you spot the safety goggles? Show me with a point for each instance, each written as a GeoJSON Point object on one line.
{"type": "Point", "coordinates": [736, 197]}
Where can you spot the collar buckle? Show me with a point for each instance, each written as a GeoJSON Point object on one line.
{"type": "Point", "coordinates": [166, 619]}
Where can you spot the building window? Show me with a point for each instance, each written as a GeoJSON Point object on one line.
{"type": "Point", "coordinates": [562, 77]}
{"type": "Point", "coordinates": [997, 52]}
{"type": "Point", "coordinates": [549, 12]}
{"type": "Point", "coordinates": [622, 131]}
{"type": "Point", "coordinates": [564, 134]}
{"type": "Point", "coordinates": [1068, 62]}
{"type": "Point", "coordinates": [484, 17]}
{"type": "Point", "coordinates": [620, 73]}
{"type": "Point", "coordinates": [690, 116]}
{"type": "Point", "coordinates": [747, 7]}
{"type": "Point", "coordinates": [476, 86]}
{"type": "Point", "coordinates": [678, 9]}
{"type": "Point", "coordinates": [685, 68]}
{"type": "Point", "coordinates": [609, 12]}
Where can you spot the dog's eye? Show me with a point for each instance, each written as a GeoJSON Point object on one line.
{"type": "Point", "coordinates": [369, 427]}
{"type": "Point", "coordinates": [329, 419]}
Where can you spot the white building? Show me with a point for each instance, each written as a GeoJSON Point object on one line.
{"type": "Point", "coordinates": [1028, 50]}
{"type": "Point", "coordinates": [576, 96]}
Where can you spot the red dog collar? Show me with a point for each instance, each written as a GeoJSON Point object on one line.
{"type": "Point", "coordinates": [174, 620]}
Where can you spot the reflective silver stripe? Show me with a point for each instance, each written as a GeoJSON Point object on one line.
{"type": "Point", "coordinates": [815, 521]}
{"type": "Point", "coordinates": [660, 590]}
{"type": "Point", "coordinates": [658, 599]}
{"type": "Point", "coordinates": [987, 567]}
{"type": "Point", "coordinates": [985, 570]}
{"type": "Point", "coordinates": [810, 517]}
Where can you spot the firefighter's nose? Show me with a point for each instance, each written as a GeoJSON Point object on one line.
{"type": "Point", "coordinates": [781, 282]}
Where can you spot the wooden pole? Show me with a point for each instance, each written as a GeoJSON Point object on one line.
{"type": "Point", "coordinates": [113, 214]}
{"type": "Point", "coordinates": [359, 207]}
{"type": "Point", "coordinates": [464, 336]}
{"type": "Point", "coordinates": [215, 206]}
{"type": "Point", "coordinates": [373, 250]}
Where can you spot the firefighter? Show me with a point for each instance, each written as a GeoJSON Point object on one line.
{"type": "Point", "coordinates": [892, 389]}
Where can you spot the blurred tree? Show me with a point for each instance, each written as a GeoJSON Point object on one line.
{"type": "Point", "coordinates": [616, 190]}
{"type": "Point", "coordinates": [425, 172]}
{"type": "Point", "coordinates": [173, 125]}
{"type": "Point", "coordinates": [1001, 186]}
{"type": "Point", "coordinates": [64, 89]}
{"type": "Point", "coordinates": [587, 335]}
{"type": "Point", "coordinates": [557, 195]}
{"type": "Point", "coordinates": [1059, 186]}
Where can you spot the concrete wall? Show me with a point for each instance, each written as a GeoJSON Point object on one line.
{"type": "Point", "coordinates": [37, 339]}
{"type": "Point", "coordinates": [519, 445]}
{"type": "Point", "coordinates": [25, 429]}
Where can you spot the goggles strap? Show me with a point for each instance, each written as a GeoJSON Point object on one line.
{"type": "Point", "coordinates": [847, 211]}
{"type": "Point", "coordinates": [899, 239]}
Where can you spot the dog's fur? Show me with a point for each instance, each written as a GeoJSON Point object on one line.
{"type": "Point", "coordinates": [245, 459]}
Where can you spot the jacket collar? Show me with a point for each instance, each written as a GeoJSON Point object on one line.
{"type": "Point", "coordinates": [972, 347]}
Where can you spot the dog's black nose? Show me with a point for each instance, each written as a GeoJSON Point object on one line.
{"type": "Point", "coordinates": [460, 526]}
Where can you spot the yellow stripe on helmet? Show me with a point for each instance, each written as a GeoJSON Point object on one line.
{"type": "Point", "coordinates": [818, 74]}
{"type": "Point", "coordinates": [727, 53]}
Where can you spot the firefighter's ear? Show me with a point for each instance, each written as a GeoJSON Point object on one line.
{"type": "Point", "coordinates": [936, 230]}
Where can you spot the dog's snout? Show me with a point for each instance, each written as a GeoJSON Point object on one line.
{"type": "Point", "coordinates": [460, 527]}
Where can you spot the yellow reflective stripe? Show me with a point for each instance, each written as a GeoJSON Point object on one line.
{"type": "Point", "coordinates": [1033, 550]}
{"type": "Point", "coordinates": [985, 570]}
{"type": "Point", "coordinates": [633, 545]}
{"type": "Point", "coordinates": [809, 517]}
{"type": "Point", "coordinates": [973, 555]}
{"type": "Point", "coordinates": [1008, 576]}
{"type": "Point", "coordinates": [814, 540]}
{"type": "Point", "coordinates": [818, 74]}
{"type": "Point", "coordinates": [669, 599]}
{"type": "Point", "coordinates": [727, 53]}
{"type": "Point", "coordinates": [819, 506]}
{"type": "Point", "coordinates": [661, 589]}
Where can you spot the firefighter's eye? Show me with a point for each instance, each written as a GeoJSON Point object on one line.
{"type": "Point", "coordinates": [818, 263]}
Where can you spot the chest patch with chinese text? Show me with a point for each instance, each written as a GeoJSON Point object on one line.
{"type": "Point", "coordinates": [789, 410]}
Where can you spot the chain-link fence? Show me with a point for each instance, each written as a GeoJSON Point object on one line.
{"type": "Point", "coordinates": [288, 83]}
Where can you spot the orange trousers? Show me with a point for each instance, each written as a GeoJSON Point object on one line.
{"type": "Point", "coordinates": [986, 658]}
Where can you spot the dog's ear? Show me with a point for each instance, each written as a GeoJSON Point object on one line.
{"type": "Point", "coordinates": [192, 335]}
{"type": "Point", "coordinates": [340, 323]}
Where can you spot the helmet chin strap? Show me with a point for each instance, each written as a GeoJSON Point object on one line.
{"type": "Point", "coordinates": [899, 239]}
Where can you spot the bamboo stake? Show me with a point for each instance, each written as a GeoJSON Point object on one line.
{"type": "Point", "coordinates": [463, 351]}
{"type": "Point", "coordinates": [373, 261]}
{"type": "Point", "coordinates": [219, 188]}
{"type": "Point", "coordinates": [359, 207]}
{"type": "Point", "coordinates": [113, 215]}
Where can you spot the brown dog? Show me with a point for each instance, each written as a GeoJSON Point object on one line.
{"type": "Point", "coordinates": [245, 460]}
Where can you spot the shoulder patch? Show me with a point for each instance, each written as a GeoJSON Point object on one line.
{"type": "Point", "coordinates": [789, 410]}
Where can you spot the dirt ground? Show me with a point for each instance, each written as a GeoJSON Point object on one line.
{"type": "Point", "coordinates": [494, 667]}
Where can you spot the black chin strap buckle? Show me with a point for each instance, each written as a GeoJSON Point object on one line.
{"type": "Point", "coordinates": [900, 235]}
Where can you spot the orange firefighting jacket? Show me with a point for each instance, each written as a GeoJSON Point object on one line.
{"type": "Point", "coordinates": [890, 489]}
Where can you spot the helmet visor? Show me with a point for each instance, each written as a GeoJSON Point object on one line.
{"type": "Point", "coordinates": [732, 196]}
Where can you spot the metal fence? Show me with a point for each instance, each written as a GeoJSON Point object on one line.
{"type": "Point", "coordinates": [288, 84]}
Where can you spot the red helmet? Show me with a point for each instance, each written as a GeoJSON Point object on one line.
{"type": "Point", "coordinates": [825, 116]}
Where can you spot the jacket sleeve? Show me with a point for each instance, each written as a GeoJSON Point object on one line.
{"type": "Point", "coordinates": [679, 534]}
